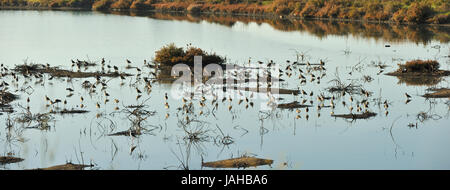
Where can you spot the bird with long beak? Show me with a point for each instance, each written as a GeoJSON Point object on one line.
{"type": "Point", "coordinates": [407, 96]}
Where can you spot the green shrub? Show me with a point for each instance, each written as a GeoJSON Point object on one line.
{"type": "Point", "coordinates": [171, 55]}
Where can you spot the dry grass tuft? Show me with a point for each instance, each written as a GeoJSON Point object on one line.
{"type": "Point", "coordinates": [420, 66]}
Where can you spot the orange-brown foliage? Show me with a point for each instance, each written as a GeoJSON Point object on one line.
{"type": "Point", "coordinates": [421, 66]}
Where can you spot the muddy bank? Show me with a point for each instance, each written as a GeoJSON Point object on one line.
{"type": "Point", "coordinates": [264, 90]}
{"type": "Point", "coordinates": [9, 160]}
{"type": "Point", "coordinates": [33, 69]}
{"type": "Point", "coordinates": [439, 73]}
{"type": "Point", "coordinates": [420, 72]}
{"type": "Point", "coordinates": [130, 132]}
{"type": "Point", "coordinates": [292, 105]}
{"type": "Point", "coordinates": [68, 166]}
{"type": "Point", "coordinates": [364, 115]}
{"type": "Point", "coordinates": [438, 93]}
{"type": "Point", "coordinates": [71, 111]}
{"type": "Point", "coordinates": [242, 162]}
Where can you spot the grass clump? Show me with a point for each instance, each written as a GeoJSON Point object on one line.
{"type": "Point", "coordinates": [7, 97]}
{"type": "Point", "coordinates": [420, 66]}
{"type": "Point", "coordinates": [171, 55]}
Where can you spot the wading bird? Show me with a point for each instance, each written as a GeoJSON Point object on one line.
{"type": "Point", "coordinates": [407, 96]}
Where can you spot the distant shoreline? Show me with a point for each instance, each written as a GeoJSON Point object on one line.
{"type": "Point", "coordinates": [273, 10]}
{"type": "Point", "coordinates": [272, 16]}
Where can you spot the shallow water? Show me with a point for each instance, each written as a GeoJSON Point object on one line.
{"type": "Point", "coordinates": [325, 142]}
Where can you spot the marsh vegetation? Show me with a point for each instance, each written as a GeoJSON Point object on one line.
{"type": "Point", "coordinates": [429, 11]}
{"type": "Point", "coordinates": [307, 96]}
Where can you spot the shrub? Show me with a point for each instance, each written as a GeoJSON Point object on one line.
{"type": "Point", "coordinates": [140, 5]}
{"type": "Point", "coordinates": [80, 3]}
{"type": "Point", "coordinates": [441, 19]}
{"type": "Point", "coordinates": [310, 9]}
{"type": "Point", "coordinates": [194, 8]}
{"type": "Point", "coordinates": [57, 3]}
{"type": "Point", "coordinates": [354, 13]}
{"type": "Point", "coordinates": [418, 13]}
{"type": "Point", "coordinates": [102, 5]}
{"type": "Point", "coordinates": [399, 16]}
{"type": "Point", "coordinates": [171, 55]}
{"type": "Point", "coordinates": [420, 66]}
{"type": "Point", "coordinates": [283, 10]}
{"type": "Point", "coordinates": [206, 57]}
{"type": "Point", "coordinates": [121, 4]}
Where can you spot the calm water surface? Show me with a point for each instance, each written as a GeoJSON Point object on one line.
{"type": "Point", "coordinates": [321, 142]}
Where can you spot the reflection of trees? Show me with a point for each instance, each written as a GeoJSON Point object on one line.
{"type": "Point", "coordinates": [322, 28]}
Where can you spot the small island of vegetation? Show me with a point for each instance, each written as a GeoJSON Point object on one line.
{"type": "Point", "coordinates": [420, 72]}
{"type": "Point", "coordinates": [170, 55]}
